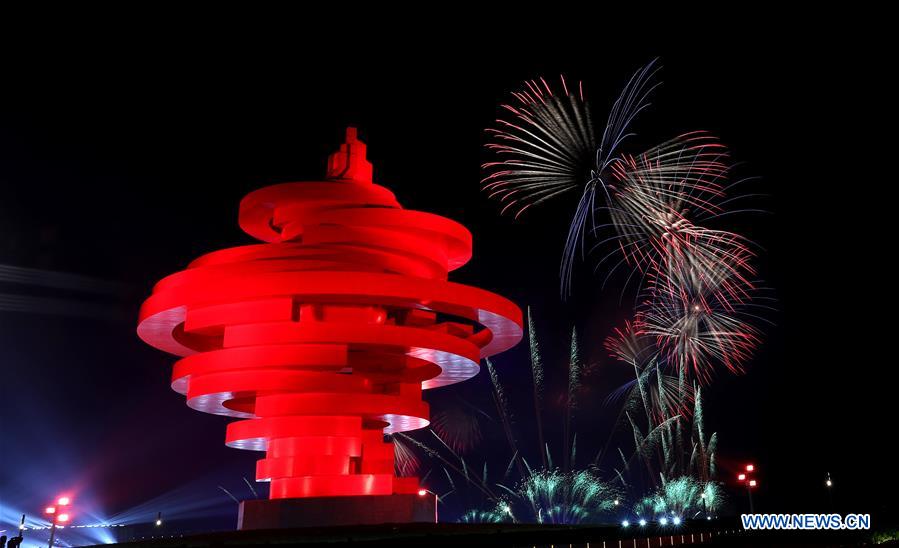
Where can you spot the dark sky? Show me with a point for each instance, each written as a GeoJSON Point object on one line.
{"type": "Point", "coordinates": [124, 155]}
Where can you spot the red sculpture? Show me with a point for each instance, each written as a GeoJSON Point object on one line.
{"type": "Point", "coordinates": [321, 339]}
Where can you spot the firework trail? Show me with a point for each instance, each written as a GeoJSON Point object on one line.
{"type": "Point", "coordinates": [537, 384]}
{"type": "Point", "coordinates": [502, 408]}
{"type": "Point", "coordinates": [575, 369]}
{"type": "Point", "coordinates": [462, 469]}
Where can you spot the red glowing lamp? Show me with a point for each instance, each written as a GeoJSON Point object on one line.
{"type": "Point", "coordinates": [422, 492]}
{"type": "Point", "coordinates": [62, 518]}
{"type": "Point", "coordinates": [321, 339]}
{"type": "Point", "coordinates": [63, 501]}
{"type": "Point", "coordinates": [745, 477]}
{"type": "Point", "coordinates": [50, 510]}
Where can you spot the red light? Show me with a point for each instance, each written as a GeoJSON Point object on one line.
{"type": "Point", "coordinates": [50, 510]}
{"type": "Point", "coordinates": [750, 467]}
{"type": "Point", "coordinates": [752, 483]}
{"type": "Point", "coordinates": [741, 477]}
{"type": "Point", "coordinates": [63, 501]}
{"type": "Point", "coordinates": [422, 492]}
{"type": "Point", "coordinates": [63, 518]}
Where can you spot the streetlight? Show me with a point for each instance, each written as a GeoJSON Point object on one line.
{"type": "Point", "coordinates": [676, 520]}
{"type": "Point", "coordinates": [829, 483]}
{"type": "Point", "coordinates": [663, 521]}
{"type": "Point", "coordinates": [749, 486]}
{"type": "Point", "coordinates": [158, 519]}
{"type": "Point", "coordinates": [750, 483]}
{"type": "Point", "coordinates": [57, 517]}
{"type": "Point", "coordinates": [625, 523]}
{"type": "Point", "coordinates": [642, 522]}
{"type": "Point", "coordinates": [16, 541]}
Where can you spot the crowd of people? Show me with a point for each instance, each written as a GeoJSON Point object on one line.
{"type": "Point", "coordinates": [11, 543]}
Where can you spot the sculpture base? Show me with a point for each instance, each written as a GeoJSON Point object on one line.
{"type": "Point", "coordinates": [328, 511]}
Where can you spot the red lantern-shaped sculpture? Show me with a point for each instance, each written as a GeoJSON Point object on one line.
{"type": "Point", "coordinates": [321, 339]}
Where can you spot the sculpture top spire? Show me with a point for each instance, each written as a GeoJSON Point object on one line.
{"type": "Point", "coordinates": [349, 162]}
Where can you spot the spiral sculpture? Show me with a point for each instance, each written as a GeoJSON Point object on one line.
{"type": "Point", "coordinates": [322, 338]}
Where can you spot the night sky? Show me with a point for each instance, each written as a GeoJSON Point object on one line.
{"type": "Point", "coordinates": [123, 157]}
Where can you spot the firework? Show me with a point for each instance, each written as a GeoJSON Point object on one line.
{"type": "Point", "coordinates": [406, 461]}
{"type": "Point", "coordinates": [562, 498]}
{"type": "Point", "coordinates": [695, 280]}
{"type": "Point", "coordinates": [545, 144]}
{"type": "Point", "coordinates": [546, 147]}
{"type": "Point", "coordinates": [658, 394]}
{"type": "Point", "coordinates": [482, 516]}
{"type": "Point", "coordinates": [671, 447]}
{"type": "Point", "coordinates": [656, 203]}
{"type": "Point", "coordinates": [537, 488]}
{"type": "Point", "coordinates": [645, 508]}
{"type": "Point", "coordinates": [695, 328]}
{"type": "Point", "coordinates": [682, 497]}
{"type": "Point", "coordinates": [665, 416]}
{"type": "Point", "coordinates": [630, 345]}
{"type": "Point", "coordinates": [699, 279]}
{"type": "Point", "coordinates": [712, 496]}
{"type": "Point", "coordinates": [686, 330]}
{"type": "Point", "coordinates": [458, 427]}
